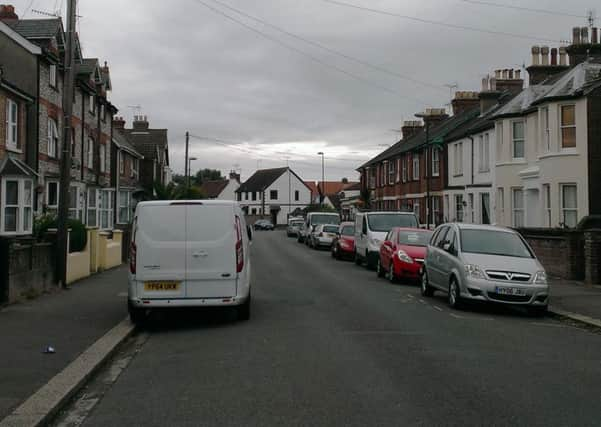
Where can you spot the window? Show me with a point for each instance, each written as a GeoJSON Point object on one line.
{"type": "Point", "coordinates": [254, 195]}
{"type": "Point", "coordinates": [436, 210]}
{"type": "Point", "coordinates": [253, 211]}
{"type": "Point", "coordinates": [125, 207]}
{"type": "Point", "coordinates": [518, 207]}
{"type": "Point", "coordinates": [90, 153]}
{"type": "Point", "coordinates": [92, 102]}
{"type": "Point", "coordinates": [484, 208]}
{"type": "Point", "coordinates": [102, 150]}
{"type": "Point", "coordinates": [458, 159]}
{"type": "Point", "coordinates": [52, 195]}
{"type": "Point", "coordinates": [545, 129]}
{"type": "Point", "coordinates": [121, 162]}
{"type": "Point", "coordinates": [12, 124]}
{"type": "Point", "coordinates": [398, 169]}
{"type": "Point", "coordinates": [106, 209]}
{"type": "Point", "coordinates": [499, 134]}
{"type": "Point", "coordinates": [134, 168]}
{"type": "Point", "coordinates": [569, 205]}
{"type": "Point", "coordinates": [547, 201]}
{"type": "Point", "coordinates": [501, 203]}
{"type": "Point", "coordinates": [415, 166]}
{"type": "Point", "coordinates": [568, 126]}
{"type": "Point", "coordinates": [391, 172]}
{"type": "Point", "coordinates": [260, 195]}
{"type": "Point", "coordinates": [484, 151]}
{"type": "Point", "coordinates": [518, 140]}
{"type": "Point", "coordinates": [447, 208]}
{"type": "Point", "coordinates": [405, 168]}
{"type": "Point", "coordinates": [296, 196]}
{"type": "Point", "coordinates": [52, 78]}
{"type": "Point", "coordinates": [435, 162]}
{"type": "Point", "coordinates": [273, 194]}
{"type": "Point", "coordinates": [459, 207]}
{"type": "Point", "coordinates": [93, 207]}
{"type": "Point", "coordinates": [52, 138]}
{"type": "Point", "coordinates": [472, 208]}
{"type": "Point", "coordinates": [17, 206]}
{"type": "Point", "coordinates": [76, 204]}
{"type": "Point", "coordinates": [246, 195]}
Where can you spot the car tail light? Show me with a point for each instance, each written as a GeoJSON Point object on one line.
{"type": "Point", "coordinates": [132, 258]}
{"type": "Point", "coordinates": [239, 247]}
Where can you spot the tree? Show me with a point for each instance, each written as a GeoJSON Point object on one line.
{"type": "Point", "coordinates": [207, 175]}
{"type": "Point", "coordinates": [173, 192]}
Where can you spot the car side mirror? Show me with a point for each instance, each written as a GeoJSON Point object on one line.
{"type": "Point", "coordinates": [249, 232]}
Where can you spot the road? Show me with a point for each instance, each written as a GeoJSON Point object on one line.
{"type": "Point", "coordinates": [330, 344]}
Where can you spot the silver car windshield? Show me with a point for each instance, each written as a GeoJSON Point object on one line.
{"type": "Point", "coordinates": [491, 242]}
{"type": "Point", "coordinates": [386, 222]}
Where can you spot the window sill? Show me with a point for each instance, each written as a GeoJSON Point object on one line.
{"type": "Point", "coordinates": [460, 175]}
{"type": "Point", "coordinates": [14, 149]}
{"type": "Point", "coordinates": [513, 163]}
{"type": "Point", "coordinates": [563, 153]}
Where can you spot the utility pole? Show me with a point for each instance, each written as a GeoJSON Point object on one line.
{"type": "Point", "coordinates": [62, 237]}
{"type": "Point", "coordinates": [428, 171]}
{"type": "Point", "coordinates": [323, 181]}
{"type": "Point", "coordinates": [187, 165]}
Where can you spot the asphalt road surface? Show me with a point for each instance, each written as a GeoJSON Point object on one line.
{"type": "Point", "coordinates": [329, 344]}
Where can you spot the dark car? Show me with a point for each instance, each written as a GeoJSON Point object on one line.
{"type": "Point", "coordinates": [263, 224]}
{"type": "Point", "coordinates": [343, 246]}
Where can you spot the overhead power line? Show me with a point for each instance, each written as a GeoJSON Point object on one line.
{"type": "Point", "coordinates": [312, 57]}
{"type": "Point", "coordinates": [522, 8]}
{"type": "Point", "coordinates": [440, 23]}
{"type": "Point", "coordinates": [330, 50]}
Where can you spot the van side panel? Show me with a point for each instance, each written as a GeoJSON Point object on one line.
{"type": "Point", "coordinates": [161, 249]}
{"type": "Point", "coordinates": [210, 251]}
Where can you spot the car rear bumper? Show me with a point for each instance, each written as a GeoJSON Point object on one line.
{"type": "Point", "coordinates": [323, 241]}
{"type": "Point", "coordinates": [186, 302]}
{"type": "Point", "coordinates": [486, 290]}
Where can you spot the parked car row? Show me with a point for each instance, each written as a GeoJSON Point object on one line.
{"type": "Point", "coordinates": [468, 262]}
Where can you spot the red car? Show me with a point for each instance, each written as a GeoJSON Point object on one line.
{"type": "Point", "coordinates": [402, 253]}
{"type": "Point", "coordinates": [343, 245]}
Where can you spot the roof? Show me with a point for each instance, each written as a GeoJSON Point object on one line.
{"type": "Point", "coordinates": [213, 189]}
{"type": "Point", "coordinates": [353, 186]}
{"type": "Point", "coordinates": [335, 200]}
{"type": "Point", "coordinates": [19, 39]}
{"type": "Point", "coordinates": [261, 179]}
{"type": "Point", "coordinates": [87, 66]}
{"type": "Point", "coordinates": [147, 141]}
{"type": "Point", "coordinates": [13, 166]}
{"type": "Point", "coordinates": [575, 82]}
{"type": "Point", "coordinates": [121, 141]}
{"type": "Point", "coordinates": [330, 187]}
{"type": "Point", "coordinates": [312, 186]}
{"type": "Point", "coordinates": [37, 28]}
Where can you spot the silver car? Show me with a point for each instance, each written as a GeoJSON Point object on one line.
{"type": "Point", "coordinates": [484, 263]}
{"type": "Point", "coordinates": [294, 227]}
{"type": "Point", "coordinates": [323, 236]}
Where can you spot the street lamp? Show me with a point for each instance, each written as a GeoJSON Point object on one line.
{"type": "Point", "coordinates": [188, 176]}
{"type": "Point", "coordinates": [323, 181]}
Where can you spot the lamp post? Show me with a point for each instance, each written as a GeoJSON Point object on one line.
{"type": "Point", "coordinates": [323, 181]}
{"type": "Point", "coordinates": [190, 159]}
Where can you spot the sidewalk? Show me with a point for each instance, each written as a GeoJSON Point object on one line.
{"type": "Point", "coordinates": [577, 298]}
{"type": "Point", "coordinates": [70, 321]}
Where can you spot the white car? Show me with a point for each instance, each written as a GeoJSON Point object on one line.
{"type": "Point", "coordinates": [313, 220]}
{"type": "Point", "coordinates": [189, 254]}
{"type": "Point", "coordinates": [371, 229]}
{"type": "Point", "coordinates": [323, 236]}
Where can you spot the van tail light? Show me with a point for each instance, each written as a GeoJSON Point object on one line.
{"type": "Point", "coordinates": [239, 247]}
{"type": "Point", "coordinates": [132, 258]}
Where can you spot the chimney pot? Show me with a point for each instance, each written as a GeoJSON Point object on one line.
{"type": "Point", "coordinates": [584, 35]}
{"type": "Point", "coordinates": [576, 35]}
{"type": "Point", "coordinates": [563, 54]}
{"type": "Point", "coordinates": [544, 53]}
{"type": "Point", "coordinates": [493, 84]}
{"type": "Point", "coordinates": [485, 84]}
{"type": "Point", "coordinates": [518, 74]}
{"type": "Point", "coordinates": [510, 74]}
{"type": "Point", "coordinates": [497, 74]}
{"type": "Point", "coordinates": [554, 56]}
{"type": "Point", "coordinates": [595, 36]}
{"type": "Point", "coordinates": [535, 55]}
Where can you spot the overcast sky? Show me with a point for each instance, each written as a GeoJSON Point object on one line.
{"type": "Point", "coordinates": [190, 68]}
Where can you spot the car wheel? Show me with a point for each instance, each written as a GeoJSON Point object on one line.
{"type": "Point", "coordinates": [391, 276]}
{"type": "Point", "coordinates": [243, 311]}
{"type": "Point", "coordinates": [426, 289]}
{"type": "Point", "coordinates": [454, 294]}
{"type": "Point", "coordinates": [136, 315]}
{"type": "Point", "coordinates": [379, 270]}
{"type": "Point", "coordinates": [538, 311]}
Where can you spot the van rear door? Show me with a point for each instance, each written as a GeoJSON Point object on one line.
{"type": "Point", "coordinates": [160, 245]}
{"type": "Point", "coordinates": [211, 251]}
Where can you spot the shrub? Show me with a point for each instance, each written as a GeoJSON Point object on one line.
{"type": "Point", "coordinates": [78, 237]}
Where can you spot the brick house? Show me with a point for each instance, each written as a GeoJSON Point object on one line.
{"type": "Point", "coordinates": [125, 175]}
{"type": "Point", "coordinates": [153, 144]}
{"type": "Point", "coordinates": [91, 194]}
{"type": "Point", "coordinates": [18, 135]}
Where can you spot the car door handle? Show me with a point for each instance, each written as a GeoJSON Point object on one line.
{"type": "Point", "coordinates": [200, 254]}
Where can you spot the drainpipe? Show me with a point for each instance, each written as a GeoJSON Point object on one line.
{"type": "Point", "coordinates": [472, 155]}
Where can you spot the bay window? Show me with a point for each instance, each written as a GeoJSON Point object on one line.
{"type": "Point", "coordinates": [435, 162]}
{"type": "Point", "coordinates": [106, 209]}
{"type": "Point", "coordinates": [518, 207]}
{"type": "Point", "coordinates": [518, 140]}
{"type": "Point", "coordinates": [569, 205]}
{"type": "Point", "coordinates": [92, 207]}
{"type": "Point", "coordinates": [17, 206]}
{"type": "Point", "coordinates": [125, 207]}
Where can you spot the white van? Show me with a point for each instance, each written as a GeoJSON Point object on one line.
{"type": "Point", "coordinates": [189, 254]}
{"type": "Point", "coordinates": [314, 219]}
{"type": "Point", "coordinates": [371, 229]}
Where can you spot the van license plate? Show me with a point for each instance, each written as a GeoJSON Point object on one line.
{"type": "Point", "coordinates": [510, 291]}
{"type": "Point", "coordinates": [161, 286]}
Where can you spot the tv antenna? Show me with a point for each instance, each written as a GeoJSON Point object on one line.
{"type": "Point", "coordinates": [451, 87]}
{"type": "Point", "coordinates": [136, 109]}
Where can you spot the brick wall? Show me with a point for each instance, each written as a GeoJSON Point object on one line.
{"type": "Point", "coordinates": [592, 251]}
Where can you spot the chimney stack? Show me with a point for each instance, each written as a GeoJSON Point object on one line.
{"type": "Point", "coordinates": [234, 175]}
{"type": "Point", "coordinates": [543, 66]}
{"type": "Point", "coordinates": [510, 82]}
{"type": "Point", "coordinates": [118, 123]}
{"type": "Point", "coordinates": [489, 96]}
{"type": "Point", "coordinates": [410, 128]}
{"type": "Point", "coordinates": [7, 13]}
{"type": "Point", "coordinates": [582, 48]}
{"type": "Point", "coordinates": [140, 123]}
{"type": "Point", "coordinates": [464, 101]}
{"type": "Point", "coordinates": [433, 116]}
